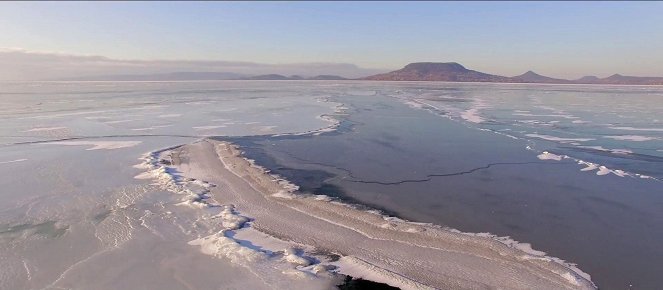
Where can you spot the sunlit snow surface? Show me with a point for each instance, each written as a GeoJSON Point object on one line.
{"type": "Point", "coordinates": [73, 205]}
{"type": "Point", "coordinates": [70, 207]}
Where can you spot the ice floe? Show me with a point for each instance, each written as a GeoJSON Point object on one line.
{"type": "Point", "coordinates": [637, 129]}
{"type": "Point", "coordinates": [589, 166]}
{"type": "Point", "coordinates": [559, 139]}
{"type": "Point", "coordinates": [601, 148]}
{"type": "Point", "coordinates": [565, 116]}
{"type": "Point", "coordinates": [549, 156]}
{"type": "Point", "coordinates": [635, 138]}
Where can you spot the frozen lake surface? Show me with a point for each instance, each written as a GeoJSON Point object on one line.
{"type": "Point", "coordinates": [573, 170]}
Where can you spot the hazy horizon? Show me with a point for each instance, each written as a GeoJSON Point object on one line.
{"type": "Point", "coordinates": [561, 40]}
{"type": "Point", "coordinates": [45, 66]}
{"type": "Point", "coordinates": [331, 145]}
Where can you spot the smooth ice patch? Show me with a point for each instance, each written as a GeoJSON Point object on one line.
{"type": "Point", "coordinates": [170, 115]}
{"type": "Point", "coordinates": [635, 138]}
{"type": "Point", "coordinates": [209, 127]}
{"type": "Point", "coordinates": [414, 104]}
{"type": "Point", "coordinates": [472, 115]}
{"type": "Point", "coordinates": [45, 129]}
{"type": "Point", "coordinates": [637, 129]}
{"type": "Point", "coordinates": [601, 148]}
{"type": "Point", "coordinates": [13, 161]}
{"type": "Point", "coordinates": [151, 128]}
{"type": "Point", "coordinates": [66, 114]}
{"type": "Point", "coordinates": [266, 128]}
{"type": "Point", "coordinates": [119, 121]}
{"type": "Point", "coordinates": [558, 139]}
{"type": "Point", "coordinates": [547, 115]}
{"type": "Point", "coordinates": [97, 145]}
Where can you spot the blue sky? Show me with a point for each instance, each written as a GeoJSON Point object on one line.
{"type": "Point", "coordinates": [563, 39]}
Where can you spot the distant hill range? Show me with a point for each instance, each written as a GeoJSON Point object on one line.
{"type": "Point", "coordinates": [454, 72]}
{"type": "Point", "coordinates": [278, 77]}
{"type": "Point", "coordinates": [532, 77]}
{"type": "Point", "coordinates": [199, 76]}
{"type": "Point", "coordinates": [418, 71]}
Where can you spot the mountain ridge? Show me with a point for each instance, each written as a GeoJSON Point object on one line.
{"type": "Point", "coordinates": [198, 76]}
{"type": "Point", "coordinates": [437, 71]}
{"type": "Point", "coordinates": [532, 77]}
{"type": "Point", "coordinates": [455, 72]}
{"type": "Point", "coordinates": [418, 71]}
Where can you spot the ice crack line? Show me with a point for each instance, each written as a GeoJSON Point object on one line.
{"type": "Point", "coordinates": [94, 137]}
{"type": "Point", "coordinates": [354, 179]}
{"type": "Point", "coordinates": [431, 176]}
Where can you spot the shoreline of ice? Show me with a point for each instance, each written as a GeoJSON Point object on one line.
{"type": "Point", "coordinates": [235, 238]}
{"type": "Point", "coordinates": [339, 109]}
{"type": "Point", "coordinates": [421, 237]}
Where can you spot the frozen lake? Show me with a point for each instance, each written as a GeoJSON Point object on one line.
{"type": "Point", "coordinates": [574, 170]}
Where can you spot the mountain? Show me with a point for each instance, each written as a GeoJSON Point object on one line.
{"type": "Point", "coordinates": [454, 72]}
{"type": "Point", "coordinates": [618, 79]}
{"type": "Point", "coordinates": [327, 78]}
{"type": "Point", "coordinates": [438, 71]}
{"type": "Point", "coordinates": [532, 77]}
{"type": "Point", "coordinates": [278, 77]}
{"type": "Point", "coordinates": [199, 76]}
{"type": "Point", "coordinates": [418, 71]}
{"type": "Point", "coordinates": [587, 80]}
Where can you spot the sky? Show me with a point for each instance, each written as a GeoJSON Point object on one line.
{"type": "Point", "coordinates": [559, 39]}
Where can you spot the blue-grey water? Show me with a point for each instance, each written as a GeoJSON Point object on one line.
{"type": "Point", "coordinates": [485, 176]}
{"type": "Point", "coordinates": [468, 156]}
